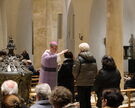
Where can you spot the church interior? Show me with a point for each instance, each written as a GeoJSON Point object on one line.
{"type": "Point", "coordinates": [106, 25]}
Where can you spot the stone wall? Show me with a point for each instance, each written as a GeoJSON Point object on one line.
{"type": "Point", "coordinates": [45, 20]}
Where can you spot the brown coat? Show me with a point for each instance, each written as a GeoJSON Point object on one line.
{"type": "Point", "coordinates": [85, 69]}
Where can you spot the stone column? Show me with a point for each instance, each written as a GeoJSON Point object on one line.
{"type": "Point", "coordinates": [12, 10]}
{"type": "Point", "coordinates": [82, 11]}
{"type": "Point", "coordinates": [1, 28]}
{"type": "Point", "coordinates": [39, 30]}
{"type": "Point", "coordinates": [4, 22]}
{"type": "Point", "coordinates": [114, 39]}
{"type": "Point", "coordinates": [54, 8]}
{"type": "Point", "coordinates": [45, 26]}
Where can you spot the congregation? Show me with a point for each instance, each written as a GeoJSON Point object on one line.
{"type": "Point", "coordinates": [67, 54]}
{"type": "Point", "coordinates": [78, 75]}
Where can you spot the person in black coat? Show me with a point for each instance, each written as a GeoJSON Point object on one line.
{"type": "Point", "coordinates": [130, 83]}
{"type": "Point", "coordinates": [108, 77]}
{"type": "Point", "coordinates": [65, 76]}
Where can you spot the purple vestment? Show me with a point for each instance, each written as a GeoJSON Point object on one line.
{"type": "Point", "coordinates": [48, 73]}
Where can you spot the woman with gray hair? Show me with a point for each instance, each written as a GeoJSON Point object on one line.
{"type": "Point", "coordinates": [9, 87]}
{"type": "Point", "coordinates": [9, 90]}
{"type": "Point", "coordinates": [84, 71]}
{"type": "Point", "coordinates": [43, 92]}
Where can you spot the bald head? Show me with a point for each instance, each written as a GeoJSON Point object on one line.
{"type": "Point", "coordinates": [53, 46]}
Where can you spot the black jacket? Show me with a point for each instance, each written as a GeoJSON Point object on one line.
{"type": "Point", "coordinates": [107, 79]}
{"type": "Point", "coordinates": [130, 83]}
{"type": "Point", "coordinates": [65, 76]}
{"type": "Point", "coordinates": [85, 69]}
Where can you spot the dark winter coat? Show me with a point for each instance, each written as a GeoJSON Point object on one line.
{"type": "Point", "coordinates": [130, 83]}
{"type": "Point", "coordinates": [85, 69]}
{"type": "Point", "coordinates": [107, 79]}
{"type": "Point", "coordinates": [65, 76]}
{"type": "Point", "coordinates": [104, 80]}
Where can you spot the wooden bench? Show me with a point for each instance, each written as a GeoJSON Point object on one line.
{"type": "Point", "coordinates": [34, 80]}
{"type": "Point", "coordinates": [128, 91]}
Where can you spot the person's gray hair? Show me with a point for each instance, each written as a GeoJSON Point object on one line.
{"type": "Point", "coordinates": [84, 47]}
{"type": "Point", "coordinates": [43, 90]}
{"type": "Point", "coordinates": [9, 87]}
